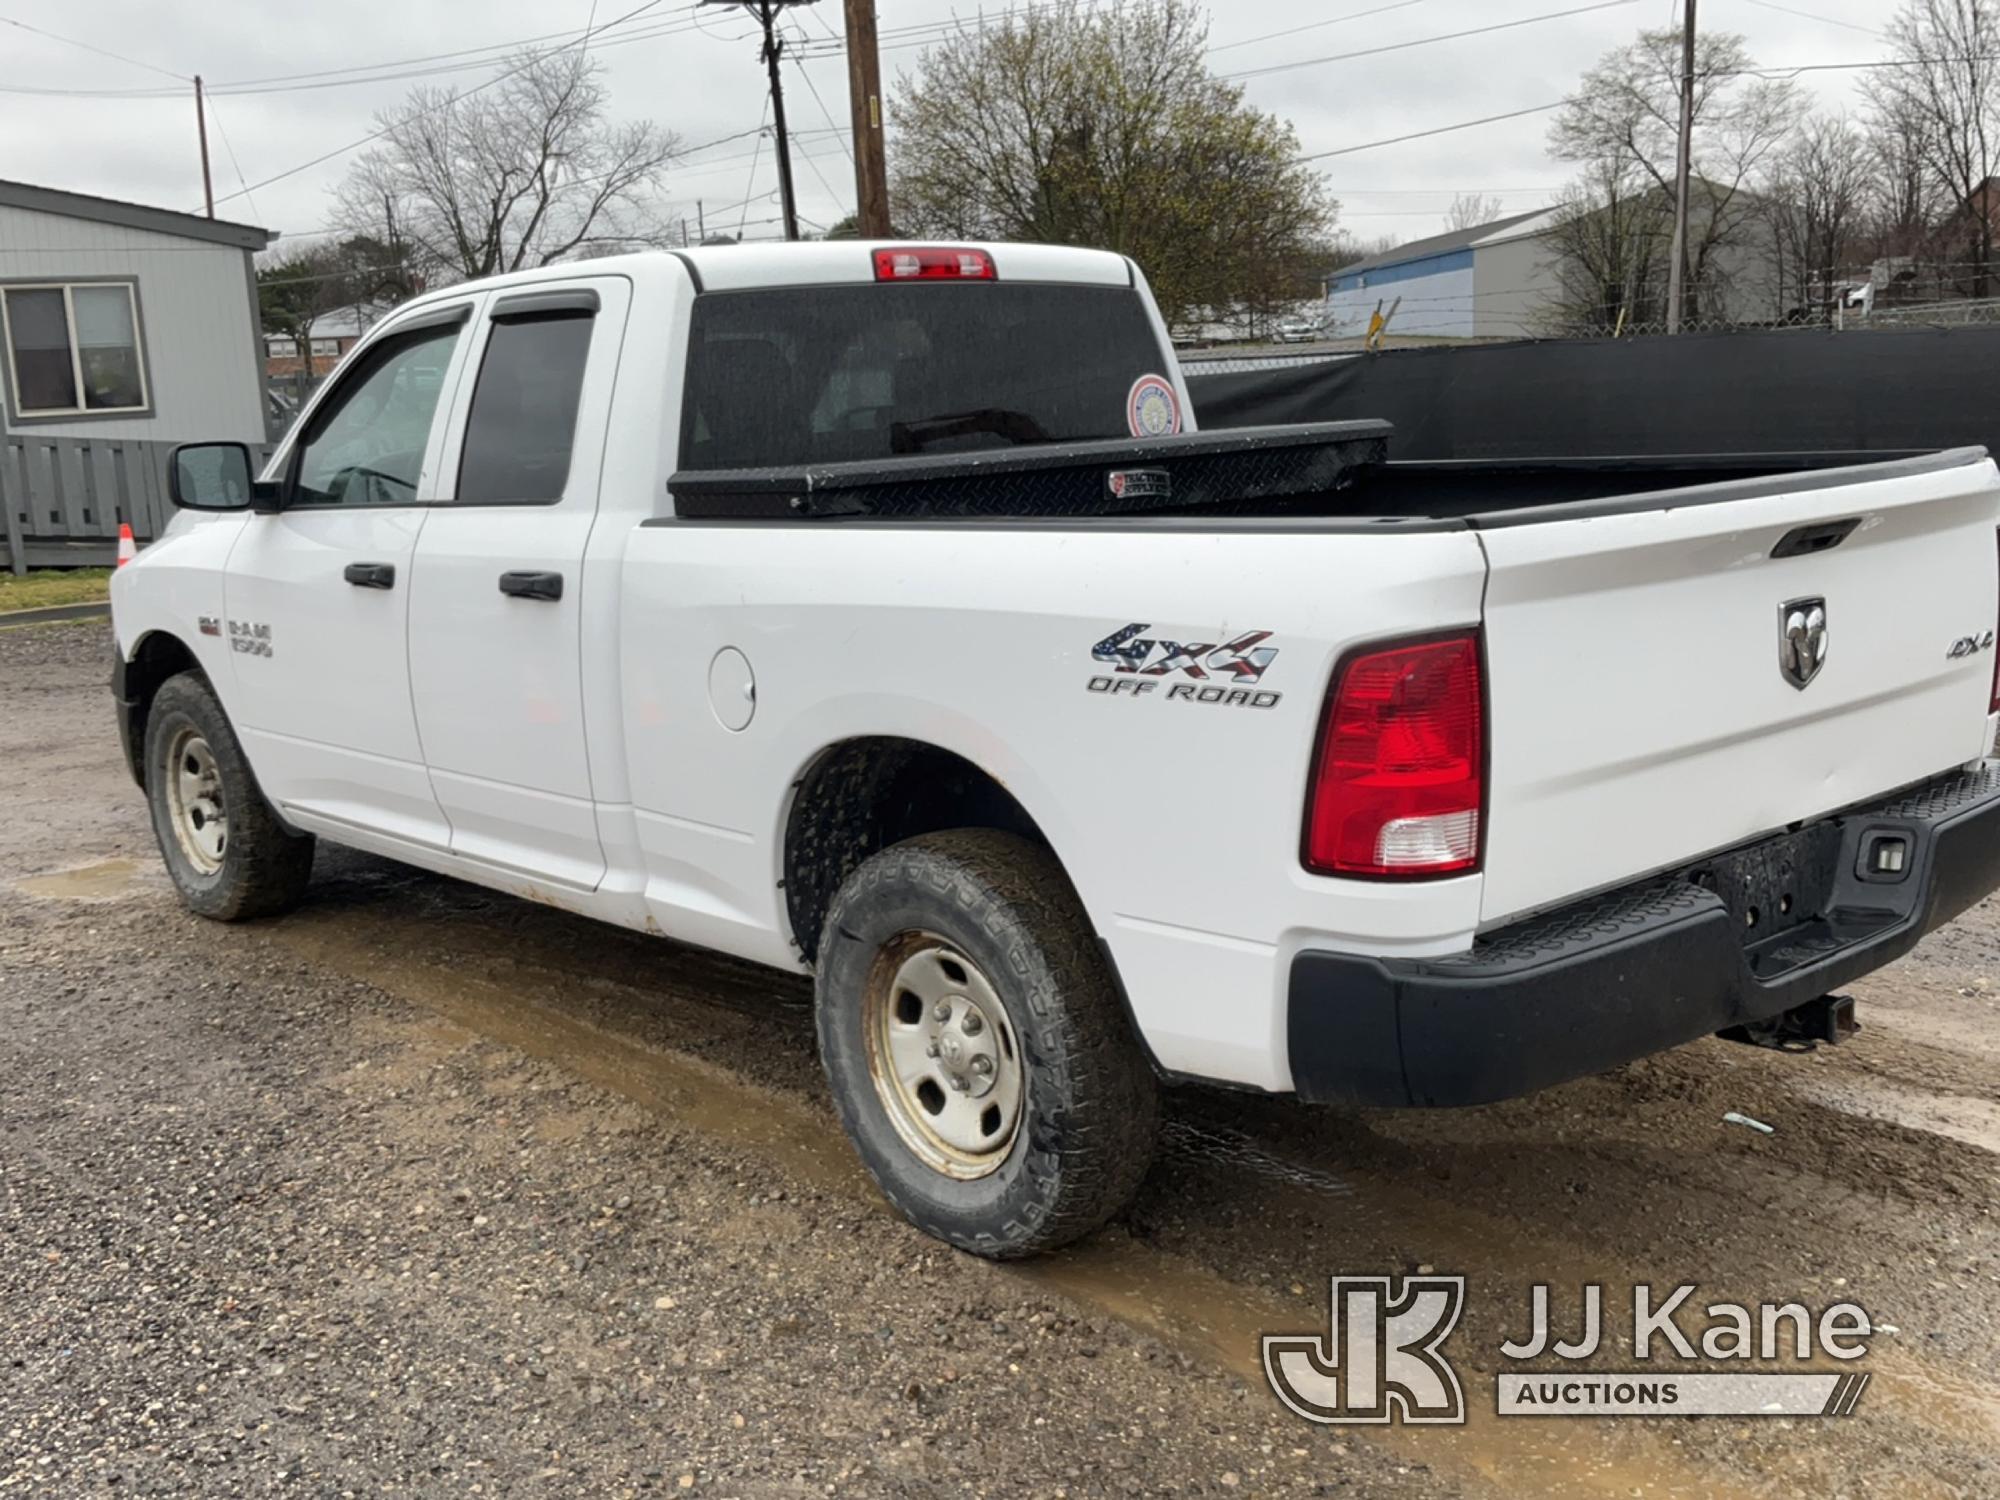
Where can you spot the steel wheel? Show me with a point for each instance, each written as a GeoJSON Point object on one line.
{"type": "Point", "coordinates": [195, 807]}
{"type": "Point", "coordinates": [943, 1055]}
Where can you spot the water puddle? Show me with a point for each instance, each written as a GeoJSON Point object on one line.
{"type": "Point", "coordinates": [1187, 1306]}
{"type": "Point", "coordinates": [107, 880]}
{"type": "Point", "coordinates": [506, 986]}
{"type": "Point", "coordinates": [1223, 1322]}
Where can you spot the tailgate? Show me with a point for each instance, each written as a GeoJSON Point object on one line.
{"type": "Point", "coordinates": [1640, 706]}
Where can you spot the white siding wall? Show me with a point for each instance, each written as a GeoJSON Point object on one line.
{"type": "Point", "coordinates": [1514, 287]}
{"type": "Point", "coordinates": [1439, 304]}
{"type": "Point", "coordinates": [204, 363]}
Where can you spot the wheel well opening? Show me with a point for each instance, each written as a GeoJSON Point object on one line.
{"type": "Point", "coordinates": [159, 657]}
{"type": "Point", "coordinates": [864, 795]}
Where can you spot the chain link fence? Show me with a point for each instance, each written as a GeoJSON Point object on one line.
{"type": "Point", "coordinates": [1966, 312]}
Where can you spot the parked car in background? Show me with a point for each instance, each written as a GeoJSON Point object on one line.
{"type": "Point", "coordinates": [1297, 331]}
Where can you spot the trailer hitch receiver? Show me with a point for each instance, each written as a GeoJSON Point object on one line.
{"type": "Point", "coordinates": [1829, 1019]}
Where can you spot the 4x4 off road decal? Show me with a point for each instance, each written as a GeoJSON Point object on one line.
{"type": "Point", "coordinates": [1229, 671]}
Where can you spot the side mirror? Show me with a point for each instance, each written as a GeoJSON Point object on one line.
{"type": "Point", "coordinates": [215, 476]}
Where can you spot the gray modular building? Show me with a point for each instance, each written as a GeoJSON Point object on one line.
{"type": "Point", "coordinates": [124, 329]}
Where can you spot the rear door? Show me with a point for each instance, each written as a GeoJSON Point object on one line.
{"type": "Point", "coordinates": [497, 595]}
{"type": "Point", "coordinates": [316, 596]}
{"type": "Point", "coordinates": [1666, 682]}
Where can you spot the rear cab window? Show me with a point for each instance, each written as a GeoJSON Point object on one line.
{"type": "Point", "coordinates": [784, 377]}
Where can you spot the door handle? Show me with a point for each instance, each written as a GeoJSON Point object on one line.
{"type": "Point", "coordinates": [371, 575]}
{"type": "Point", "coordinates": [532, 585]}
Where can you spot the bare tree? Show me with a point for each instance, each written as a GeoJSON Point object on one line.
{"type": "Point", "coordinates": [1609, 246]}
{"type": "Point", "coordinates": [1904, 195]}
{"type": "Point", "coordinates": [1624, 120]}
{"type": "Point", "coordinates": [298, 284]}
{"type": "Point", "coordinates": [1816, 196]}
{"type": "Point", "coordinates": [1946, 96]}
{"type": "Point", "coordinates": [1470, 210]}
{"type": "Point", "coordinates": [1345, 249]}
{"type": "Point", "coordinates": [520, 173]}
{"type": "Point", "coordinates": [1102, 125]}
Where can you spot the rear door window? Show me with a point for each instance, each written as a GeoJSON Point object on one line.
{"type": "Point", "coordinates": [523, 419]}
{"type": "Point", "coordinates": [790, 376]}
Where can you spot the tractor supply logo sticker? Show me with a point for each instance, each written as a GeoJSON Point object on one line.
{"type": "Point", "coordinates": [1139, 484]}
{"type": "Point", "coordinates": [1153, 407]}
{"type": "Point", "coordinates": [1229, 673]}
{"type": "Point", "coordinates": [1383, 1358]}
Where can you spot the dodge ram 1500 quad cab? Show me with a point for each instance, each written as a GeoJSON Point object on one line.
{"type": "Point", "coordinates": [878, 611]}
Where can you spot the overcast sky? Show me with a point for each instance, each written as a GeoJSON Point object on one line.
{"type": "Point", "coordinates": [697, 73]}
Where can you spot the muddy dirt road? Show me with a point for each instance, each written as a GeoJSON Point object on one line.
{"type": "Point", "coordinates": [428, 1191]}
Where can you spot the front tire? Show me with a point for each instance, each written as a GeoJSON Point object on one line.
{"type": "Point", "coordinates": [980, 1056]}
{"type": "Point", "coordinates": [228, 854]}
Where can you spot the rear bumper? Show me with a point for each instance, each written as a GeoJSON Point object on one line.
{"type": "Point", "coordinates": [1738, 938]}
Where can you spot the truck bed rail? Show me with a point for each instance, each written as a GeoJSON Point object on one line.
{"type": "Point", "coordinates": [1120, 476]}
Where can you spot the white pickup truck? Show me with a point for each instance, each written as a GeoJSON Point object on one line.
{"type": "Point", "coordinates": [876, 610]}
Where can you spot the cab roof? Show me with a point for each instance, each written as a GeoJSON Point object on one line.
{"type": "Point", "coordinates": [813, 263]}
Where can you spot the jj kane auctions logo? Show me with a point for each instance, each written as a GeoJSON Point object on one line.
{"type": "Point", "coordinates": [1382, 1359]}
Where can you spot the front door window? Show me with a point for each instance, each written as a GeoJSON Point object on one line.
{"type": "Point", "coordinates": [366, 447]}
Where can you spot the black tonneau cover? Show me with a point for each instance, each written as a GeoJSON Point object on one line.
{"type": "Point", "coordinates": [1119, 476]}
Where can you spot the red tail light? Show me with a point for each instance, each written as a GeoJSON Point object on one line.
{"type": "Point", "coordinates": [1993, 704]}
{"type": "Point", "coordinates": [1399, 786]}
{"type": "Point", "coordinates": [934, 263]}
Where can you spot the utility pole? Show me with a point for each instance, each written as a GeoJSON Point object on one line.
{"type": "Point", "coordinates": [1677, 271]}
{"type": "Point", "coordinates": [201, 127]}
{"type": "Point", "coordinates": [864, 92]}
{"type": "Point", "coordinates": [767, 13]}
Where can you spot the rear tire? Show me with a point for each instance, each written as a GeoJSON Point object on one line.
{"type": "Point", "coordinates": [980, 1055]}
{"type": "Point", "coordinates": [228, 853]}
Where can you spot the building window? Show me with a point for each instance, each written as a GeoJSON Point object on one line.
{"type": "Point", "coordinates": [73, 348]}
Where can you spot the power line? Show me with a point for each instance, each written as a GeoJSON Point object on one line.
{"type": "Point", "coordinates": [751, 186]}
{"type": "Point", "coordinates": [399, 62]}
{"type": "Point", "coordinates": [388, 71]}
{"type": "Point", "coordinates": [1418, 135]}
{"type": "Point", "coordinates": [584, 40]}
{"type": "Point", "coordinates": [1813, 16]}
{"type": "Point", "coordinates": [721, 163]}
{"type": "Point", "coordinates": [214, 115]}
{"type": "Point", "coordinates": [926, 33]}
{"type": "Point", "coordinates": [1425, 41]}
{"type": "Point", "coordinates": [376, 135]}
{"type": "Point", "coordinates": [821, 176]}
{"type": "Point", "coordinates": [1367, 192]}
{"type": "Point", "coordinates": [1353, 15]}
{"type": "Point", "coordinates": [242, 90]}
{"type": "Point", "coordinates": [71, 41]}
{"type": "Point", "coordinates": [768, 14]}
{"type": "Point", "coordinates": [825, 113]}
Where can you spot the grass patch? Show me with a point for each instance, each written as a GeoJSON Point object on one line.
{"type": "Point", "coordinates": [51, 586]}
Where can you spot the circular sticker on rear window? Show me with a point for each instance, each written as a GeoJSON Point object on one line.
{"type": "Point", "coordinates": [1153, 409]}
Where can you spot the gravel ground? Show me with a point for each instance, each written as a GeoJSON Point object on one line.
{"type": "Point", "coordinates": [424, 1190]}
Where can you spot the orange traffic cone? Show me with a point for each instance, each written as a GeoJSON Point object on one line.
{"type": "Point", "coordinates": [127, 548]}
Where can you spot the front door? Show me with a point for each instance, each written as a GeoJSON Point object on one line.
{"type": "Point", "coordinates": [498, 599]}
{"type": "Point", "coordinates": [317, 595]}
